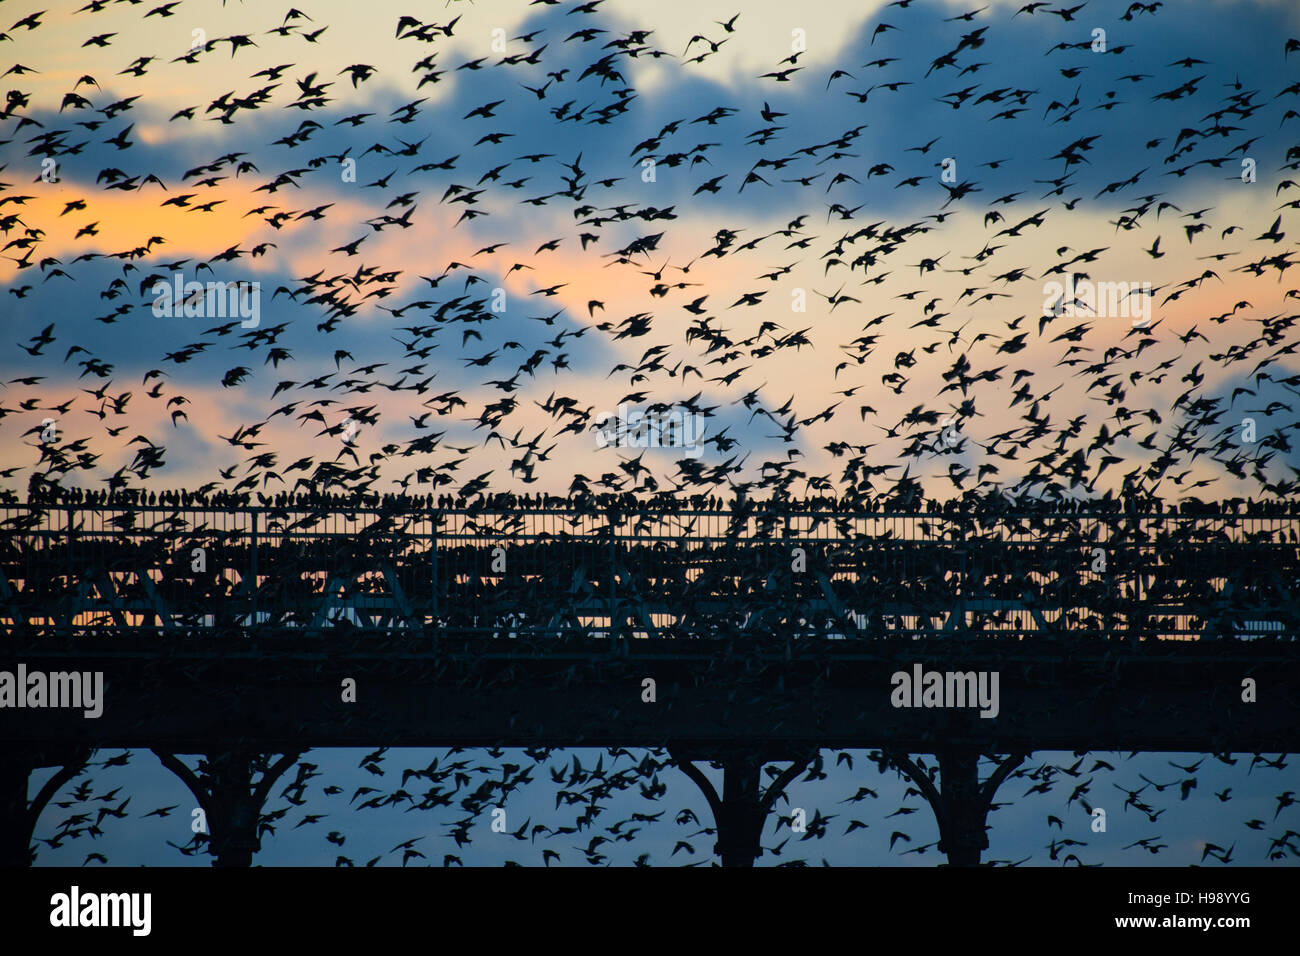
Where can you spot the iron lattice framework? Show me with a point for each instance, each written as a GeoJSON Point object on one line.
{"type": "Point", "coordinates": [772, 630]}
{"type": "Point", "coordinates": [540, 572]}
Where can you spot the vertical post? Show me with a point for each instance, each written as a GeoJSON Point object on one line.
{"type": "Point", "coordinates": [961, 807]}
{"type": "Point", "coordinates": [742, 813]}
{"type": "Point", "coordinates": [741, 810]}
{"type": "Point", "coordinates": [69, 584]}
{"type": "Point", "coordinates": [613, 581]}
{"type": "Point", "coordinates": [964, 582]}
{"type": "Point", "coordinates": [230, 799]}
{"type": "Point", "coordinates": [234, 830]}
{"type": "Point", "coordinates": [1111, 572]}
{"type": "Point", "coordinates": [71, 517]}
{"type": "Point", "coordinates": [15, 833]}
{"type": "Point", "coordinates": [252, 623]}
{"type": "Point", "coordinates": [433, 551]}
{"type": "Point", "coordinates": [961, 825]}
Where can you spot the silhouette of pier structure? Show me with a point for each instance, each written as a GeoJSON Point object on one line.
{"type": "Point", "coordinates": [745, 634]}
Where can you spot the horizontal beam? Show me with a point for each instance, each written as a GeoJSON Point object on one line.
{"type": "Point", "coordinates": [273, 695]}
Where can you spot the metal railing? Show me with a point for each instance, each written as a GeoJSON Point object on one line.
{"type": "Point", "coordinates": [551, 569]}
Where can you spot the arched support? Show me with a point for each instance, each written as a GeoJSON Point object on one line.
{"type": "Point", "coordinates": [740, 813]}
{"type": "Point", "coordinates": [961, 807]}
{"type": "Point", "coordinates": [18, 817]}
{"type": "Point", "coordinates": [231, 801]}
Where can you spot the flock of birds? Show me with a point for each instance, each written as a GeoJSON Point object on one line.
{"type": "Point", "coordinates": [972, 415]}
{"type": "Point", "coordinates": [923, 385]}
{"type": "Point", "coordinates": [464, 787]}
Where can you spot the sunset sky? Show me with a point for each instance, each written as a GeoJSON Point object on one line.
{"type": "Point", "coordinates": [829, 229]}
{"type": "Point", "coordinates": [1089, 385]}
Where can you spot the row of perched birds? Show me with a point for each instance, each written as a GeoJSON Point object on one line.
{"type": "Point", "coordinates": [1151, 401]}
{"type": "Point", "coordinates": [52, 496]}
